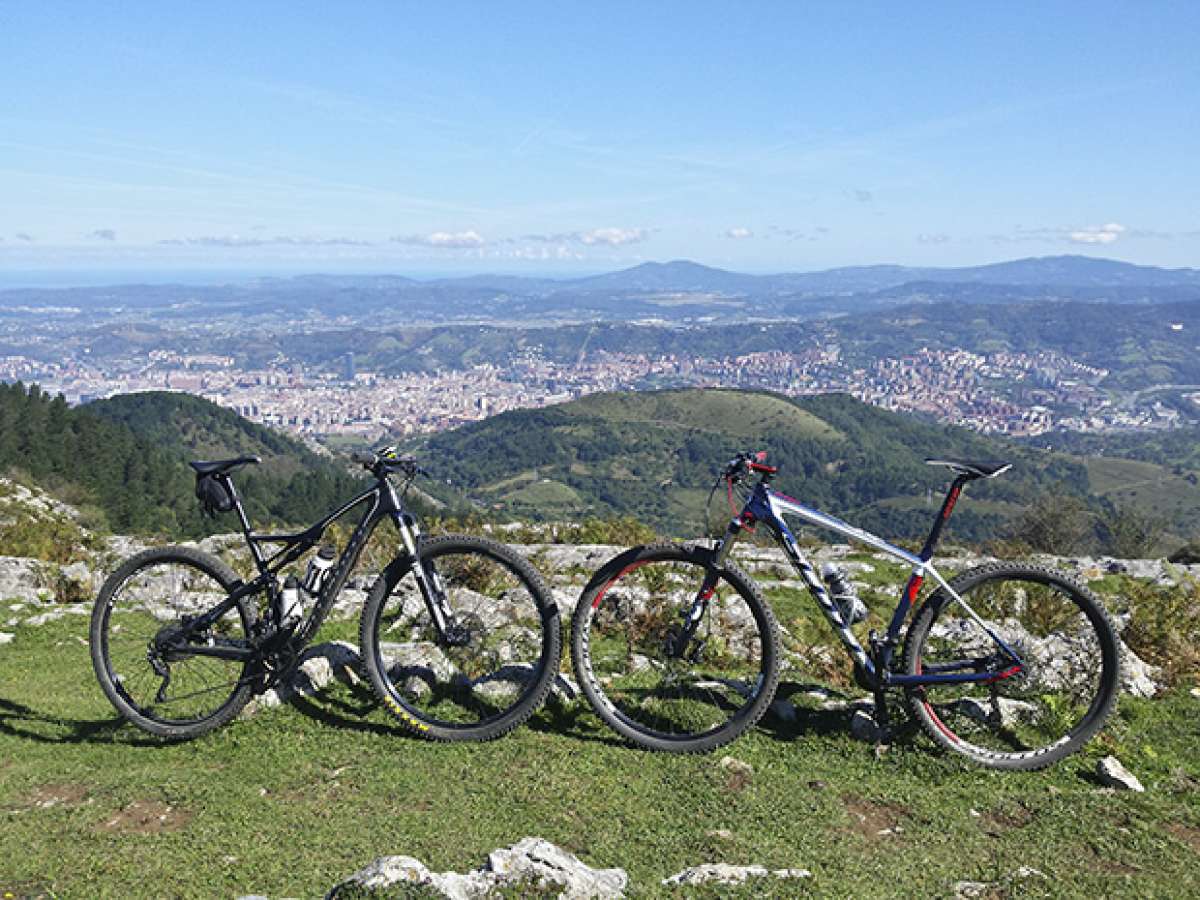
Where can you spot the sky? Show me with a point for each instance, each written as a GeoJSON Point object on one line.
{"type": "Point", "coordinates": [558, 137]}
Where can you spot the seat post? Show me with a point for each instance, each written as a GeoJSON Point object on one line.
{"type": "Point", "coordinates": [943, 516]}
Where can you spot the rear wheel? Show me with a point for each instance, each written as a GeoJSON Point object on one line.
{"type": "Point", "coordinates": [641, 673]}
{"type": "Point", "coordinates": [495, 663]}
{"type": "Point", "coordinates": [140, 643]}
{"type": "Point", "coordinates": [1030, 714]}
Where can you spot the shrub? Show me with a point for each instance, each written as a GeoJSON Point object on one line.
{"type": "Point", "coordinates": [1164, 627]}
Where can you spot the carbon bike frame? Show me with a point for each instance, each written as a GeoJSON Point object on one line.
{"type": "Point", "coordinates": [769, 507]}
{"type": "Point", "coordinates": [382, 503]}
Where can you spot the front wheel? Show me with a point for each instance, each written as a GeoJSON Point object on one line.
{"type": "Point", "coordinates": [661, 681]}
{"type": "Point", "coordinates": [493, 665]}
{"type": "Point", "coordinates": [144, 653]}
{"type": "Point", "coordinates": [1047, 652]}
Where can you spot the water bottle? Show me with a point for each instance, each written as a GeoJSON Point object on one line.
{"type": "Point", "coordinates": [291, 607]}
{"type": "Point", "coordinates": [844, 594]}
{"type": "Point", "coordinates": [318, 570]}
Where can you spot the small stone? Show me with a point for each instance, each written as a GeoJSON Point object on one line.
{"type": "Point", "coordinates": [1195, 692]}
{"type": "Point", "coordinates": [735, 766]}
{"type": "Point", "coordinates": [817, 784]}
{"type": "Point", "coordinates": [975, 814]}
{"type": "Point", "coordinates": [6, 638]}
{"type": "Point", "coordinates": [782, 710]}
{"type": "Point", "coordinates": [1114, 775]}
{"type": "Point", "coordinates": [863, 727]}
{"type": "Point", "coordinates": [723, 873]}
{"type": "Point", "coordinates": [969, 890]}
{"type": "Point", "coordinates": [720, 834]}
{"type": "Point", "coordinates": [1024, 873]}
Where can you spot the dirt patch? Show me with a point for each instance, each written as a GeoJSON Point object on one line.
{"type": "Point", "coordinates": [1106, 864]}
{"type": "Point", "coordinates": [875, 821]}
{"type": "Point", "coordinates": [996, 822]}
{"type": "Point", "coordinates": [146, 817]}
{"type": "Point", "coordinates": [1188, 834]}
{"type": "Point", "coordinates": [47, 796]}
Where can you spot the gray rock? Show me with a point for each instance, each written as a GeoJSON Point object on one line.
{"type": "Point", "coordinates": [6, 638]}
{"type": "Point", "coordinates": [723, 873]}
{"type": "Point", "coordinates": [536, 860]}
{"type": "Point", "coordinates": [1114, 775]}
{"type": "Point", "coordinates": [319, 667]}
{"type": "Point", "coordinates": [735, 766]}
{"type": "Point", "coordinates": [530, 861]}
{"type": "Point", "coordinates": [864, 727]}
{"type": "Point", "coordinates": [57, 613]}
{"type": "Point", "coordinates": [969, 890]}
{"type": "Point", "coordinates": [23, 579]}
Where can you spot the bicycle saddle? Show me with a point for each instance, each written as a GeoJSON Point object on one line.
{"type": "Point", "coordinates": [971, 469]}
{"type": "Point", "coordinates": [222, 466]}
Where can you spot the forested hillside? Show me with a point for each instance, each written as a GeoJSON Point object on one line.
{"type": "Point", "coordinates": [654, 454]}
{"type": "Point", "coordinates": [125, 459]}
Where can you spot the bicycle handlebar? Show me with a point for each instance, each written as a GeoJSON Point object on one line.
{"type": "Point", "coordinates": [386, 460]}
{"type": "Point", "coordinates": [747, 462]}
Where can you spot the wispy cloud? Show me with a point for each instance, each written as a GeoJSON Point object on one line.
{"type": "Point", "coordinates": [934, 238]}
{"type": "Point", "coordinates": [1097, 234]}
{"type": "Point", "coordinates": [739, 233]}
{"type": "Point", "coordinates": [608, 237]}
{"type": "Point", "coordinates": [104, 234]}
{"type": "Point", "coordinates": [22, 236]}
{"type": "Point", "coordinates": [1088, 234]}
{"type": "Point", "coordinates": [613, 237]}
{"type": "Point", "coordinates": [451, 240]}
{"type": "Point", "coordinates": [236, 240]}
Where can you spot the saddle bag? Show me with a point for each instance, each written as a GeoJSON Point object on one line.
{"type": "Point", "coordinates": [214, 494]}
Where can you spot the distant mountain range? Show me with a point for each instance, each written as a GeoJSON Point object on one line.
{"type": "Point", "coordinates": [685, 276]}
{"type": "Point", "coordinates": [674, 291]}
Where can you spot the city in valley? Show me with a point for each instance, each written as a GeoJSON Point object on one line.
{"type": "Point", "coordinates": [1003, 392]}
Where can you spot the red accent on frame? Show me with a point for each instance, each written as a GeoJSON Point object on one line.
{"type": "Point", "coordinates": [914, 585]}
{"type": "Point", "coordinates": [950, 501]}
{"type": "Point", "coordinates": [625, 571]}
{"type": "Point", "coordinates": [1007, 673]}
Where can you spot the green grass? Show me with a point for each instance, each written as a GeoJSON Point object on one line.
{"type": "Point", "coordinates": [292, 801]}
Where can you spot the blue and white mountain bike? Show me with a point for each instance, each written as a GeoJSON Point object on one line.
{"type": "Point", "coordinates": [1013, 665]}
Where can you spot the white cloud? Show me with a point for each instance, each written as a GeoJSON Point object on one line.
{"type": "Point", "coordinates": [612, 237]}
{"type": "Point", "coordinates": [452, 240]}
{"type": "Point", "coordinates": [936, 238]}
{"type": "Point", "coordinates": [236, 240]}
{"type": "Point", "coordinates": [1097, 234]}
{"type": "Point", "coordinates": [104, 234]}
{"type": "Point", "coordinates": [739, 233]}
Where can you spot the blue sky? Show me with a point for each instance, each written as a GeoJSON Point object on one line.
{"type": "Point", "coordinates": [567, 137]}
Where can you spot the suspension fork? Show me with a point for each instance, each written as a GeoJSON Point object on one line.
{"type": "Point", "coordinates": [425, 573]}
{"type": "Point", "coordinates": [695, 614]}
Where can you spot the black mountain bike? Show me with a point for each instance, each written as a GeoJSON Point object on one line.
{"type": "Point", "coordinates": [460, 636]}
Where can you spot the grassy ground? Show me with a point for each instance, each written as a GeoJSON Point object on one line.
{"type": "Point", "coordinates": [294, 800]}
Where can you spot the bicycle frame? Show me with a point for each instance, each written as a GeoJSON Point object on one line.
{"type": "Point", "coordinates": [384, 503]}
{"type": "Point", "coordinates": [770, 507]}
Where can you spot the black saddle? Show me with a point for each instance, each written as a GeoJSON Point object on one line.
{"type": "Point", "coordinates": [222, 466]}
{"type": "Point", "coordinates": [972, 469]}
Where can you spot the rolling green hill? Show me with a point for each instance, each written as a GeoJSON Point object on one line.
{"type": "Point", "coordinates": [125, 460]}
{"type": "Point", "coordinates": [654, 454]}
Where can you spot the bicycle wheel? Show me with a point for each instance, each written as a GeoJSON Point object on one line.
{"type": "Point", "coordinates": [625, 642]}
{"type": "Point", "coordinates": [167, 691]}
{"type": "Point", "coordinates": [1028, 715]}
{"type": "Point", "coordinates": [495, 670]}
